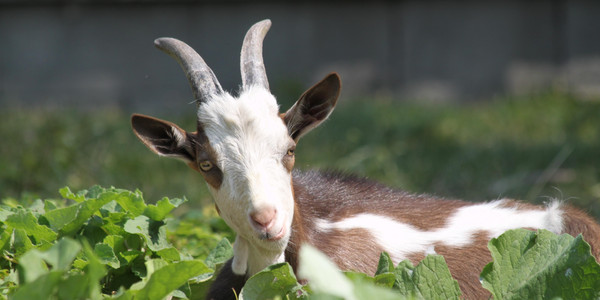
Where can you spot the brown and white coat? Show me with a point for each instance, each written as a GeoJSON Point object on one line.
{"type": "Point", "coordinates": [244, 148]}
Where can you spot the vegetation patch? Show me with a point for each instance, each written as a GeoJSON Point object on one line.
{"type": "Point", "coordinates": [108, 243]}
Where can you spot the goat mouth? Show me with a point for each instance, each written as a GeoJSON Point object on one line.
{"type": "Point", "coordinates": [275, 237]}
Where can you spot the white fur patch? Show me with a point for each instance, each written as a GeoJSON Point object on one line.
{"type": "Point", "coordinates": [179, 138]}
{"type": "Point", "coordinates": [400, 239]}
{"type": "Point", "coordinates": [250, 140]}
{"type": "Point", "coordinates": [239, 265]}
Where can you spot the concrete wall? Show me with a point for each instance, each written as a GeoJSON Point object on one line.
{"type": "Point", "coordinates": [100, 53]}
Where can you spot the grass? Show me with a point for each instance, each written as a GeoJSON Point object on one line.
{"type": "Point", "coordinates": [529, 148]}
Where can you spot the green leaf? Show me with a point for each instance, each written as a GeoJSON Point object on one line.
{"type": "Point", "coordinates": [116, 242]}
{"type": "Point", "coordinates": [20, 241]}
{"type": "Point", "coordinates": [41, 288]}
{"type": "Point", "coordinates": [66, 193]}
{"type": "Point", "coordinates": [170, 277]}
{"type": "Point", "coordinates": [430, 279]}
{"type": "Point", "coordinates": [59, 257]}
{"type": "Point", "coordinates": [131, 202]}
{"type": "Point", "coordinates": [5, 238]}
{"type": "Point", "coordinates": [169, 254]}
{"type": "Point", "coordinates": [385, 264]}
{"type": "Point", "coordinates": [26, 221]}
{"type": "Point", "coordinates": [162, 208]}
{"type": "Point", "coordinates": [130, 255]}
{"type": "Point", "coordinates": [70, 219]}
{"type": "Point", "coordinates": [4, 213]}
{"type": "Point", "coordinates": [220, 254]}
{"type": "Point", "coordinates": [323, 274]}
{"type": "Point", "coordinates": [94, 271]}
{"type": "Point", "coordinates": [60, 217]}
{"type": "Point", "coordinates": [275, 281]}
{"type": "Point", "coordinates": [154, 232]}
{"type": "Point", "coordinates": [106, 255]}
{"type": "Point", "coordinates": [541, 264]}
{"type": "Point", "coordinates": [74, 286]}
{"type": "Point", "coordinates": [31, 266]}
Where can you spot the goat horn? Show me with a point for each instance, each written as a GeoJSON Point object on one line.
{"type": "Point", "coordinates": [202, 80]}
{"type": "Point", "coordinates": [251, 62]}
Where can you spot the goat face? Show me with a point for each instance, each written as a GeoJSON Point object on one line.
{"type": "Point", "coordinates": [253, 155]}
{"type": "Point", "coordinates": [243, 147]}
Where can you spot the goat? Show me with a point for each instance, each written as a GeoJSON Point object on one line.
{"type": "Point", "coordinates": [244, 149]}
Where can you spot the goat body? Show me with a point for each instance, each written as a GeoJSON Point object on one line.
{"type": "Point", "coordinates": [352, 220]}
{"type": "Point", "coordinates": [245, 150]}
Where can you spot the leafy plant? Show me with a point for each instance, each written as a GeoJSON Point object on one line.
{"type": "Point", "coordinates": [93, 244]}
{"type": "Point", "coordinates": [107, 243]}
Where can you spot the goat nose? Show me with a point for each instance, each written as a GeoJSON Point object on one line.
{"type": "Point", "coordinates": [263, 218]}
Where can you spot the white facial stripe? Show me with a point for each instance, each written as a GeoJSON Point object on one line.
{"type": "Point", "coordinates": [401, 239]}
{"type": "Point", "coordinates": [250, 140]}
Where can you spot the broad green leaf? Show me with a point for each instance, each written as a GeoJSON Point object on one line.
{"type": "Point", "coordinates": [26, 221]}
{"type": "Point", "coordinates": [275, 281]}
{"type": "Point", "coordinates": [4, 213]}
{"type": "Point", "coordinates": [61, 255]}
{"type": "Point", "coordinates": [74, 286]}
{"type": "Point", "coordinates": [42, 287]}
{"type": "Point", "coordinates": [5, 238]}
{"type": "Point", "coordinates": [162, 208]}
{"type": "Point", "coordinates": [326, 280]}
{"type": "Point", "coordinates": [70, 219]}
{"type": "Point", "coordinates": [37, 208]}
{"type": "Point", "coordinates": [94, 271]}
{"type": "Point", "coordinates": [96, 190]}
{"type": "Point", "coordinates": [20, 242]}
{"type": "Point", "coordinates": [170, 277]}
{"type": "Point", "coordinates": [323, 274]}
{"type": "Point", "coordinates": [66, 193]}
{"type": "Point", "coordinates": [60, 217]}
{"type": "Point", "coordinates": [430, 279]}
{"type": "Point", "coordinates": [131, 202]}
{"type": "Point", "coordinates": [106, 255]}
{"type": "Point", "coordinates": [154, 232]}
{"type": "Point", "coordinates": [130, 255]}
{"type": "Point", "coordinates": [385, 264]}
{"type": "Point", "coordinates": [31, 266]}
{"type": "Point", "coordinates": [220, 254]}
{"type": "Point", "coordinates": [169, 254]}
{"type": "Point", "coordinates": [541, 264]}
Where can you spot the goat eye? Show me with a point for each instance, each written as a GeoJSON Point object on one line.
{"type": "Point", "coordinates": [291, 152]}
{"type": "Point", "coordinates": [206, 165]}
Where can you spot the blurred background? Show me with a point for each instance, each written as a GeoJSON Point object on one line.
{"type": "Point", "coordinates": [473, 99]}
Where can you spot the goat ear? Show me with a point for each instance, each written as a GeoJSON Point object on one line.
{"type": "Point", "coordinates": [313, 107]}
{"type": "Point", "coordinates": [164, 138]}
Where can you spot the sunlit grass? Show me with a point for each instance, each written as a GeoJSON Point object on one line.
{"type": "Point", "coordinates": [528, 148]}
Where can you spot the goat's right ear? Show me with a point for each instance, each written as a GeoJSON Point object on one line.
{"type": "Point", "coordinates": [164, 138]}
{"type": "Point", "coordinates": [313, 107]}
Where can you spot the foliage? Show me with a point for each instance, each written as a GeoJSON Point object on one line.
{"type": "Point", "coordinates": [99, 243]}
{"type": "Point", "coordinates": [541, 265]}
{"type": "Point", "coordinates": [524, 147]}
{"type": "Point", "coordinates": [107, 243]}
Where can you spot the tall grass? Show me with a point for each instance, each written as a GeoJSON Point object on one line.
{"type": "Point", "coordinates": [529, 148]}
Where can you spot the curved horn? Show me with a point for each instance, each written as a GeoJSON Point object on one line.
{"type": "Point", "coordinates": [202, 80]}
{"type": "Point", "coordinates": [251, 62]}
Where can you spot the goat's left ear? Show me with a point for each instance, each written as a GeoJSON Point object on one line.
{"type": "Point", "coordinates": [164, 138]}
{"type": "Point", "coordinates": [313, 107]}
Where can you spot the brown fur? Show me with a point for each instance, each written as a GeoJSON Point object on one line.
{"type": "Point", "coordinates": [576, 222]}
{"type": "Point", "coordinates": [466, 263]}
{"type": "Point", "coordinates": [204, 151]}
